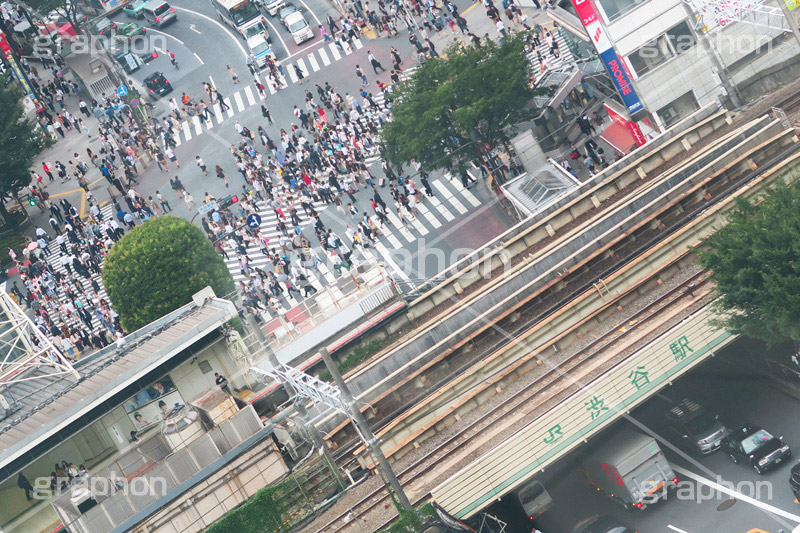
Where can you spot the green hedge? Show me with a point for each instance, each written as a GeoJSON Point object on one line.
{"type": "Point", "coordinates": [268, 510]}
{"type": "Point", "coordinates": [358, 355]}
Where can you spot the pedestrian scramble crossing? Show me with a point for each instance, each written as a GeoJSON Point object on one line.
{"type": "Point", "coordinates": [249, 95]}
{"type": "Point", "coordinates": [450, 201]}
{"type": "Point", "coordinates": [53, 255]}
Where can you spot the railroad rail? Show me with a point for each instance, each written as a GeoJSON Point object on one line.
{"type": "Point", "coordinates": [553, 378]}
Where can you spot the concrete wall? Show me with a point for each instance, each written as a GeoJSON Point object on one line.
{"type": "Point", "coordinates": [529, 151]}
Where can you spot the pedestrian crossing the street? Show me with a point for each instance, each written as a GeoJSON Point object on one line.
{"type": "Point", "coordinates": [249, 96]}
{"type": "Point", "coordinates": [450, 200]}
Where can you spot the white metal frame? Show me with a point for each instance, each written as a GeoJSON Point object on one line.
{"type": "Point", "coordinates": [713, 15]}
{"type": "Point", "coordinates": [311, 388]}
{"type": "Point", "coordinates": [18, 332]}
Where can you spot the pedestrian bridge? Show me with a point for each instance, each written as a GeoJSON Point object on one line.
{"type": "Point", "coordinates": [602, 401]}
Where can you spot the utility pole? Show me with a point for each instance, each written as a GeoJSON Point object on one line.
{"type": "Point", "coordinates": [369, 437]}
{"type": "Point", "coordinates": [316, 438]}
{"type": "Point", "coordinates": [722, 72]}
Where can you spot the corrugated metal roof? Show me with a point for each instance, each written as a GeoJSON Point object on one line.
{"type": "Point", "coordinates": [46, 406]}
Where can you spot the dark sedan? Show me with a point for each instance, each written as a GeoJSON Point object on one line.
{"type": "Point", "coordinates": [757, 447]}
{"type": "Point", "coordinates": [157, 84]}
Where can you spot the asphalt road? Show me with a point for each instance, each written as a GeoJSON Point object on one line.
{"type": "Point", "coordinates": [746, 503]}
{"type": "Point", "coordinates": [454, 223]}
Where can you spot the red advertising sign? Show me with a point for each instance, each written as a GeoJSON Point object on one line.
{"type": "Point", "coordinates": [4, 46]}
{"type": "Point", "coordinates": [615, 116]}
{"type": "Point", "coordinates": [637, 134]}
{"type": "Point", "coordinates": [586, 11]}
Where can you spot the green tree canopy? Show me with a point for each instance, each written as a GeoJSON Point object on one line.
{"type": "Point", "coordinates": [20, 142]}
{"type": "Point", "coordinates": [158, 266]}
{"type": "Point", "coordinates": [755, 262]}
{"type": "Point", "coordinates": [477, 91]}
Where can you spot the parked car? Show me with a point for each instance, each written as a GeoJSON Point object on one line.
{"type": "Point", "coordinates": [695, 427]}
{"type": "Point", "coordinates": [103, 26]}
{"type": "Point", "coordinates": [272, 6]}
{"type": "Point", "coordinates": [157, 84]}
{"type": "Point", "coordinates": [299, 28]}
{"type": "Point", "coordinates": [602, 524]}
{"type": "Point", "coordinates": [134, 9]}
{"type": "Point", "coordinates": [794, 481]}
{"type": "Point", "coordinates": [757, 447]}
{"type": "Point", "coordinates": [534, 499]}
{"type": "Point", "coordinates": [128, 30]}
{"type": "Point", "coordinates": [260, 49]}
{"type": "Point", "coordinates": [254, 29]}
{"type": "Point", "coordinates": [287, 9]}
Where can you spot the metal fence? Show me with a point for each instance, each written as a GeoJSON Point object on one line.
{"type": "Point", "coordinates": [331, 300]}
{"type": "Point", "coordinates": [141, 476]}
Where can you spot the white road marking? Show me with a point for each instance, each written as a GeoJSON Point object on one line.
{"type": "Point", "coordinates": [234, 39]}
{"type": "Point", "coordinates": [198, 128]}
{"type": "Point", "coordinates": [313, 62]}
{"type": "Point", "coordinates": [218, 112]}
{"type": "Point", "coordinates": [324, 56]}
{"type": "Point", "coordinates": [678, 530]}
{"type": "Point", "coordinates": [186, 131]}
{"type": "Point", "coordinates": [248, 92]}
{"type": "Point", "coordinates": [292, 74]}
{"type": "Point", "coordinates": [335, 51]}
{"type": "Point", "coordinates": [448, 194]}
{"type": "Point", "coordinates": [387, 258]}
{"type": "Point", "coordinates": [312, 12]}
{"type": "Point", "coordinates": [194, 29]}
{"type": "Point", "coordinates": [428, 215]}
{"type": "Point", "coordinates": [303, 67]}
{"type": "Point", "coordinates": [198, 58]}
{"type": "Point", "coordinates": [738, 495]}
{"type": "Point", "coordinates": [277, 34]}
{"type": "Point", "coordinates": [167, 34]}
{"type": "Point", "coordinates": [358, 43]}
{"type": "Point", "coordinates": [229, 109]}
{"type": "Point", "coordinates": [238, 99]}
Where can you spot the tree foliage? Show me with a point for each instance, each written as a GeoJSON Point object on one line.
{"type": "Point", "coordinates": [755, 263]}
{"type": "Point", "coordinates": [158, 266]}
{"type": "Point", "coordinates": [68, 9]}
{"type": "Point", "coordinates": [478, 90]}
{"type": "Point", "coordinates": [20, 142]}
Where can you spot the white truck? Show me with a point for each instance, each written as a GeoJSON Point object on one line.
{"type": "Point", "coordinates": [628, 467]}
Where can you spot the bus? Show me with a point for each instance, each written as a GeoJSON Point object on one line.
{"type": "Point", "coordinates": [237, 13]}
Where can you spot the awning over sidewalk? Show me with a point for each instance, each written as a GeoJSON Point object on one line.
{"type": "Point", "coordinates": [619, 138]}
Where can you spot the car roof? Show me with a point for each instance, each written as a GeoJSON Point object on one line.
{"type": "Point", "coordinates": [294, 17]}
{"type": "Point", "coordinates": [744, 431]}
{"type": "Point", "coordinates": [256, 40]}
{"type": "Point", "coordinates": [155, 75]}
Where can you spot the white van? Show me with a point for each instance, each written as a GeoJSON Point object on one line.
{"type": "Point", "coordinates": [260, 49]}
{"type": "Point", "coordinates": [158, 13]}
{"type": "Point", "coordinates": [299, 28]}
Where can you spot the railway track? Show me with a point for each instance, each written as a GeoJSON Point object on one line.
{"type": "Point", "coordinates": [553, 378]}
{"type": "Point", "coordinates": [690, 208]}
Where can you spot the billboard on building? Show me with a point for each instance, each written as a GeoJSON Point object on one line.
{"type": "Point", "coordinates": [597, 33]}
{"type": "Point", "coordinates": [151, 404]}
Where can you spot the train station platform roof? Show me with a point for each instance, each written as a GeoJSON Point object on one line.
{"type": "Point", "coordinates": [43, 411]}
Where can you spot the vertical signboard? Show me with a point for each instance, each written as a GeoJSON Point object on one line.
{"type": "Point", "coordinates": [597, 33]}
{"type": "Point", "coordinates": [5, 48]}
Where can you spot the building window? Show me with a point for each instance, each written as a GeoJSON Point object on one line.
{"type": "Point", "coordinates": [205, 367]}
{"type": "Point", "coordinates": [616, 8]}
{"type": "Point", "coordinates": [674, 42]}
{"type": "Point", "coordinates": [681, 38]}
{"type": "Point", "coordinates": [678, 109]}
{"type": "Point", "coordinates": [650, 55]}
